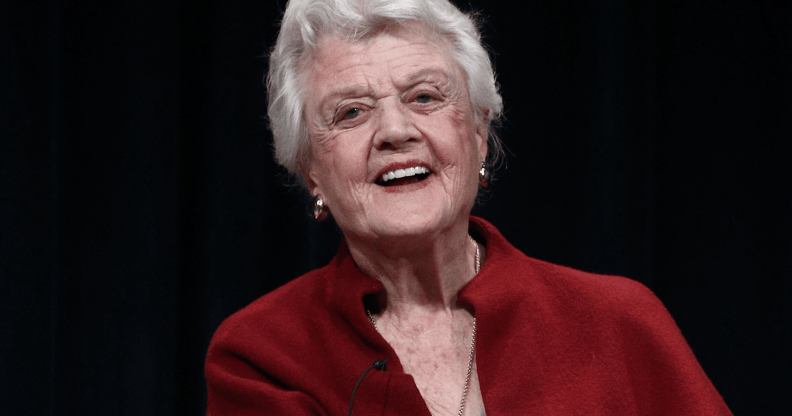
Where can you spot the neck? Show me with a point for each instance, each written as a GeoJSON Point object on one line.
{"type": "Point", "coordinates": [418, 273]}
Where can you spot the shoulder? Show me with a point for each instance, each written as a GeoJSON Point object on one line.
{"type": "Point", "coordinates": [580, 306]}
{"type": "Point", "coordinates": [605, 291]}
{"type": "Point", "coordinates": [274, 315]}
{"type": "Point", "coordinates": [603, 303]}
{"type": "Point", "coordinates": [562, 289]}
{"type": "Point", "coordinates": [609, 330]}
{"type": "Point", "coordinates": [262, 356]}
{"type": "Point", "coordinates": [273, 340]}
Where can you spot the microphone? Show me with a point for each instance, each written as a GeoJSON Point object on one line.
{"type": "Point", "coordinates": [380, 365]}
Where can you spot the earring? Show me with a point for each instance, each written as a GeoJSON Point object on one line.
{"type": "Point", "coordinates": [483, 175]}
{"type": "Point", "coordinates": [320, 212]}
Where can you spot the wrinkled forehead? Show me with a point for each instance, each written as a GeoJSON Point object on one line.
{"type": "Point", "coordinates": [361, 39]}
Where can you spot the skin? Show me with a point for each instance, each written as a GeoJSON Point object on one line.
{"type": "Point", "coordinates": [396, 99]}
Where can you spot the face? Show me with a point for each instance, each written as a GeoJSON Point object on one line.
{"type": "Point", "coordinates": [391, 106]}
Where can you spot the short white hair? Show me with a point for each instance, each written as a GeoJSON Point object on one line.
{"type": "Point", "coordinates": [305, 22]}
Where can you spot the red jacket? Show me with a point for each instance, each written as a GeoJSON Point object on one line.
{"type": "Point", "coordinates": [551, 341]}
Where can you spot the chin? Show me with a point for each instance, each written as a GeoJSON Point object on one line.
{"type": "Point", "coordinates": [421, 212]}
{"type": "Point", "coordinates": [419, 224]}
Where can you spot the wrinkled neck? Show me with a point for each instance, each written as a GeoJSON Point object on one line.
{"type": "Point", "coordinates": [425, 274]}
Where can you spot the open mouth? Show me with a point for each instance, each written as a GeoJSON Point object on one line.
{"type": "Point", "coordinates": [398, 177]}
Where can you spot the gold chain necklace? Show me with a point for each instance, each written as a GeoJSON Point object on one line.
{"type": "Point", "coordinates": [472, 338]}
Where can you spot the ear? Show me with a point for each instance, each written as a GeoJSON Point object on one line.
{"type": "Point", "coordinates": [310, 178]}
{"type": "Point", "coordinates": [481, 134]}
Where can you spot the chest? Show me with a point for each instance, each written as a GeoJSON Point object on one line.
{"type": "Point", "coordinates": [442, 364]}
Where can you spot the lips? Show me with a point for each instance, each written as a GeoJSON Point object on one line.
{"type": "Point", "coordinates": [396, 176]}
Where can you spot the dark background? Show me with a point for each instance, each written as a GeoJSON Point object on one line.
{"type": "Point", "coordinates": [140, 205]}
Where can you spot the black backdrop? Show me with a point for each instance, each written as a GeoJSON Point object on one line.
{"type": "Point", "coordinates": [140, 206]}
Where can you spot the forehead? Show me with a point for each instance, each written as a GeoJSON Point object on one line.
{"type": "Point", "coordinates": [400, 56]}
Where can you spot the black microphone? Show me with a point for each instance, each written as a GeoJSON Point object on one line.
{"type": "Point", "coordinates": [380, 365]}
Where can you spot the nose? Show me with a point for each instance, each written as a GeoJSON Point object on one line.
{"type": "Point", "coordinates": [395, 128]}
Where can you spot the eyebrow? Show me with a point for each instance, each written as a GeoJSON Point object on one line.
{"type": "Point", "coordinates": [357, 90]}
{"type": "Point", "coordinates": [426, 73]}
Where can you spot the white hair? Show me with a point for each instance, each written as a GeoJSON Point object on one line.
{"type": "Point", "coordinates": [305, 22]}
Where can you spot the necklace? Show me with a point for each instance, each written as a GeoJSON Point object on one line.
{"type": "Point", "coordinates": [472, 338]}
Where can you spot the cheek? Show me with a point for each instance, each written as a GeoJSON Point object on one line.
{"type": "Point", "coordinates": [453, 141]}
{"type": "Point", "coordinates": [341, 162]}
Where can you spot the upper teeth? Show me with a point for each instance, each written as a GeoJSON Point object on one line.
{"type": "Point", "coordinates": [403, 173]}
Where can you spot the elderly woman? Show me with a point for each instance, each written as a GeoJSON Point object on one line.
{"type": "Point", "coordinates": [383, 110]}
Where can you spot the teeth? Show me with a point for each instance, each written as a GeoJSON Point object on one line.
{"type": "Point", "coordinates": [403, 173]}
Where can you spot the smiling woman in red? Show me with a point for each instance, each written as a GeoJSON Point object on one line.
{"type": "Point", "coordinates": [383, 110]}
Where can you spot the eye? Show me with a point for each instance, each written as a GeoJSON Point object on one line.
{"type": "Point", "coordinates": [351, 116]}
{"type": "Point", "coordinates": [426, 100]}
{"type": "Point", "coordinates": [423, 99]}
{"type": "Point", "coordinates": [352, 113]}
